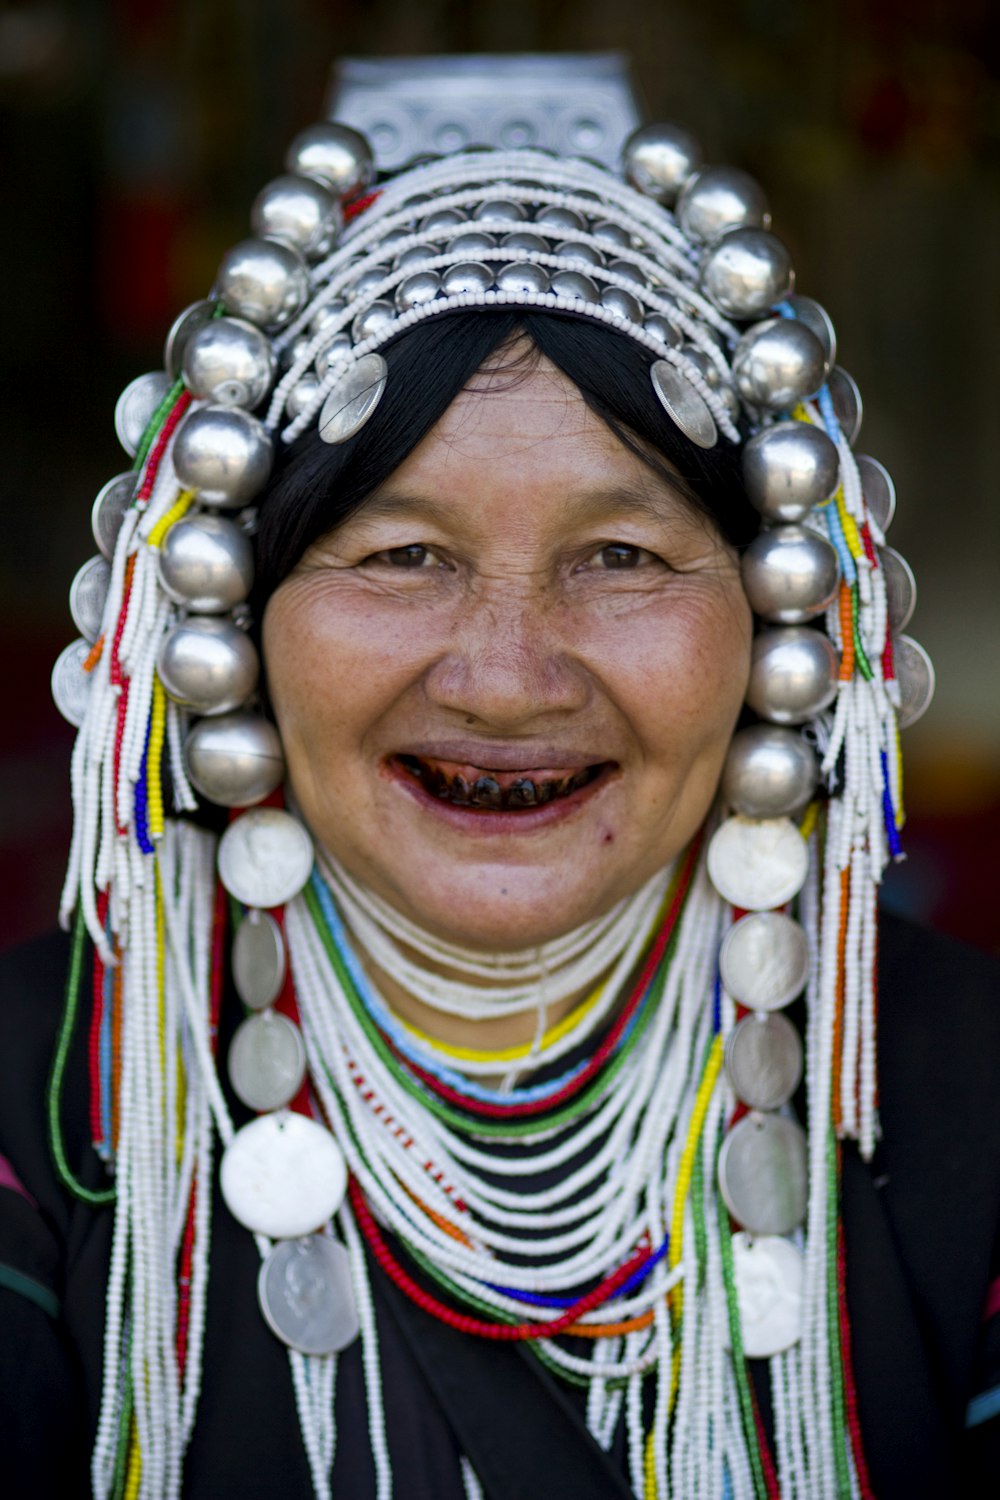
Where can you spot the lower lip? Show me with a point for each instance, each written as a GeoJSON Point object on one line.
{"type": "Point", "coordinates": [490, 824]}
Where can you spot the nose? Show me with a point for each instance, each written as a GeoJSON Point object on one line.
{"type": "Point", "coordinates": [509, 665]}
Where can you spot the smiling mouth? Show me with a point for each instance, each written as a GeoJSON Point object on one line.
{"type": "Point", "coordinates": [487, 790]}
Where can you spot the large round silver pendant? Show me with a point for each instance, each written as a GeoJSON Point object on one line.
{"type": "Point", "coordinates": [685, 406]}
{"type": "Point", "coordinates": [764, 1060]}
{"type": "Point", "coordinates": [353, 399]}
{"type": "Point", "coordinates": [768, 1276]}
{"type": "Point", "coordinates": [258, 960]}
{"type": "Point", "coordinates": [70, 683]}
{"type": "Point", "coordinates": [265, 857]}
{"type": "Point", "coordinates": [88, 594]}
{"type": "Point", "coordinates": [757, 864]}
{"type": "Point", "coordinates": [113, 500]}
{"type": "Point", "coordinates": [305, 1293]}
{"type": "Point", "coordinates": [136, 405]}
{"type": "Point", "coordinates": [763, 1174]}
{"type": "Point", "coordinates": [764, 960]}
{"type": "Point", "coordinates": [267, 1061]}
{"type": "Point", "coordinates": [283, 1175]}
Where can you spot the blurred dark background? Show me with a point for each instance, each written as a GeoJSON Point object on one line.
{"type": "Point", "coordinates": [135, 133]}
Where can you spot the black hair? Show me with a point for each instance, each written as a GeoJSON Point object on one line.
{"type": "Point", "coordinates": [318, 485]}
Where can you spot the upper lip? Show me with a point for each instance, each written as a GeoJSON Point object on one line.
{"type": "Point", "coordinates": [502, 757]}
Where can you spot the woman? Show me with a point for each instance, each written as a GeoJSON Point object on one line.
{"type": "Point", "coordinates": [512, 1194]}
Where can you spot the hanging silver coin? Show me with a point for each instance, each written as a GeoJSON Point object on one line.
{"type": "Point", "coordinates": [267, 1061]}
{"type": "Point", "coordinates": [915, 675]}
{"type": "Point", "coordinates": [258, 960]}
{"type": "Point", "coordinates": [683, 404]}
{"type": "Point", "coordinates": [847, 403]}
{"type": "Point", "coordinates": [763, 1173]}
{"type": "Point", "coordinates": [767, 1271]}
{"type": "Point", "coordinates": [265, 857]}
{"type": "Point", "coordinates": [88, 594]}
{"type": "Point", "coordinates": [113, 500]}
{"type": "Point", "coordinates": [184, 326]}
{"type": "Point", "coordinates": [353, 399]}
{"type": "Point", "coordinates": [878, 490]}
{"type": "Point", "coordinates": [756, 864]}
{"type": "Point", "coordinates": [305, 1293]}
{"type": "Point", "coordinates": [283, 1175]}
{"type": "Point", "coordinates": [900, 588]}
{"type": "Point", "coordinates": [70, 683]}
{"type": "Point", "coordinates": [763, 1060]}
{"type": "Point", "coordinates": [764, 960]}
{"type": "Point", "coordinates": [136, 405]}
{"type": "Point", "coordinates": [819, 323]}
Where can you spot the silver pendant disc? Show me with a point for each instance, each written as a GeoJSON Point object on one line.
{"type": "Point", "coordinates": [283, 1175]}
{"type": "Point", "coordinates": [768, 1276]}
{"type": "Point", "coordinates": [878, 490]}
{"type": "Point", "coordinates": [267, 1061]}
{"type": "Point", "coordinates": [183, 328]}
{"type": "Point", "coordinates": [758, 863]}
{"type": "Point", "coordinates": [265, 857]}
{"type": "Point", "coordinates": [764, 1060]}
{"type": "Point", "coordinates": [353, 399]}
{"type": "Point", "coordinates": [915, 675]}
{"type": "Point", "coordinates": [900, 588]}
{"type": "Point", "coordinates": [683, 404]}
{"type": "Point", "coordinates": [764, 960]}
{"type": "Point", "coordinates": [88, 594]}
{"type": "Point", "coordinates": [70, 683]}
{"type": "Point", "coordinates": [258, 960]}
{"type": "Point", "coordinates": [847, 403]}
{"type": "Point", "coordinates": [763, 1174]}
{"type": "Point", "coordinates": [136, 405]}
{"type": "Point", "coordinates": [108, 513]}
{"type": "Point", "coordinates": [305, 1293]}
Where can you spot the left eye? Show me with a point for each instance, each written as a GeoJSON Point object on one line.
{"type": "Point", "coordinates": [413, 556]}
{"type": "Point", "coordinates": [621, 555]}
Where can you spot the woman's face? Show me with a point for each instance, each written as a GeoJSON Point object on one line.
{"type": "Point", "coordinates": [524, 605]}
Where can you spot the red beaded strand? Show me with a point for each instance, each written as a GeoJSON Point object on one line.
{"type": "Point", "coordinates": [850, 1390]}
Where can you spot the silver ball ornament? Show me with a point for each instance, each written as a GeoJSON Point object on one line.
{"type": "Point", "coordinates": [302, 394]}
{"type": "Point", "coordinates": [777, 363]}
{"type": "Point", "coordinates": [658, 160]}
{"type": "Point", "coordinates": [336, 155]}
{"type": "Point", "coordinates": [770, 772]}
{"type": "Point", "coordinates": [718, 199]}
{"type": "Point", "coordinates": [207, 663]}
{"type": "Point", "coordinates": [206, 563]}
{"type": "Point", "coordinates": [224, 453]}
{"type": "Point", "coordinates": [264, 281]}
{"type": "Point", "coordinates": [297, 210]}
{"type": "Point", "coordinates": [234, 759]}
{"type": "Point", "coordinates": [793, 674]}
{"type": "Point", "coordinates": [229, 361]}
{"type": "Point", "coordinates": [790, 574]}
{"type": "Point", "coordinates": [746, 272]}
{"type": "Point", "coordinates": [789, 468]}
{"type": "Point", "coordinates": [372, 319]}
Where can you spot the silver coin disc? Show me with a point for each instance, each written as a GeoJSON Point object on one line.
{"type": "Point", "coordinates": [764, 960]}
{"type": "Point", "coordinates": [283, 1175]}
{"type": "Point", "coordinates": [135, 407]}
{"type": "Point", "coordinates": [847, 404]}
{"type": "Point", "coordinates": [88, 594]}
{"type": "Point", "coordinates": [353, 399]}
{"type": "Point", "coordinates": [758, 863]}
{"type": "Point", "coordinates": [878, 490]}
{"type": "Point", "coordinates": [915, 675]}
{"type": "Point", "coordinates": [685, 406]}
{"type": "Point", "coordinates": [900, 588]}
{"type": "Point", "coordinates": [305, 1293]}
{"type": "Point", "coordinates": [70, 683]}
{"type": "Point", "coordinates": [113, 500]}
{"type": "Point", "coordinates": [259, 960]}
{"type": "Point", "coordinates": [267, 1061]}
{"type": "Point", "coordinates": [183, 328]}
{"type": "Point", "coordinates": [767, 1271]}
{"type": "Point", "coordinates": [763, 1173]}
{"type": "Point", "coordinates": [763, 1060]}
{"type": "Point", "coordinates": [265, 857]}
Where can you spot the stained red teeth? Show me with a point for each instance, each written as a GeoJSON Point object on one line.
{"type": "Point", "coordinates": [489, 791]}
{"type": "Point", "coordinates": [523, 793]}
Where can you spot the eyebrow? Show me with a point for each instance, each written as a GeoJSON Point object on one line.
{"type": "Point", "coordinates": [617, 501]}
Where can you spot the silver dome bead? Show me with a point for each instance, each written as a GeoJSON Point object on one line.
{"type": "Point", "coordinates": [442, 218]}
{"type": "Point", "coordinates": [372, 319]}
{"type": "Point", "coordinates": [610, 233]}
{"type": "Point", "coordinates": [617, 300]}
{"type": "Point", "coordinates": [207, 663]}
{"type": "Point", "coordinates": [789, 468]}
{"type": "Point", "coordinates": [521, 278]}
{"type": "Point", "coordinates": [293, 352]}
{"type": "Point", "coordinates": [661, 328]}
{"type": "Point", "coordinates": [333, 352]}
{"type": "Point", "coordinates": [362, 287]}
{"type": "Point", "coordinates": [717, 199]}
{"type": "Point", "coordinates": [793, 674]}
{"type": "Point", "coordinates": [263, 281]}
{"type": "Point", "coordinates": [229, 361]}
{"type": "Point", "coordinates": [472, 244]}
{"type": "Point", "coordinates": [790, 574]}
{"type": "Point", "coordinates": [415, 256]}
{"type": "Point", "coordinates": [777, 363]}
{"type": "Point", "coordinates": [469, 276]}
{"type": "Point", "coordinates": [523, 239]}
{"type": "Point", "coordinates": [770, 772]}
{"type": "Point", "coordinates": [223, 453]}
{"type": "Point", "coordinates": [206, 564]}
{"type": "Point", "coordinates": [338, 156]}
{"type": "Point", "coordinates": [302, 394]}
{"type": "Point", "coordinates": [327, 314]}
{"type": "Point", "coordinates": [421, 287]}
{"type": "Point", "coordinates": [298, 210]}
{"type": "Point", "coordinates": [234, 759]}
{"type": "Point", "coordinates": [746, 272]}
{"type": "Point", "coordinates": [582, 254]}
{"type": "Point", "coordinates": [658, 160]}
{"type": "Point", "coordinates": [574, 284]}
{"type": "Point", "coordinates": [559, 220]}
{"type": "Point", "coordinates": [499, 208]}
{"type": "Point", "coordinates": [630, 271]}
